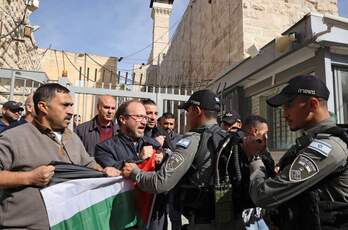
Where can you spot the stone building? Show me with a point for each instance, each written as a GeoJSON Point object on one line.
{"type": "Point", "coordinates": [214, 34]}
{"type": "Point", "coordinates": [18, 48]}
{"type": "Point", "coordinates": [320, 49]}
{"type": "Point", "coordinates": [81, 70]}
{"type": "Point", "coordinates": [161, 11]}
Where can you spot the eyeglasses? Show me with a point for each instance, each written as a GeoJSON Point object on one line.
{"type": "Point", "coordinates": [138, 117]}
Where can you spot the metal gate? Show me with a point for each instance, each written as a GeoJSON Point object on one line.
{"type": "Point", "coordinates": [167, 99]}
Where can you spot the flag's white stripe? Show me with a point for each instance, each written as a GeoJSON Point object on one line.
{"type": "Point", "coordinates": [66, 199]}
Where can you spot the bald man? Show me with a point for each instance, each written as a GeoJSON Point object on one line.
{"type": "Point", "coordinates": [101, 127]}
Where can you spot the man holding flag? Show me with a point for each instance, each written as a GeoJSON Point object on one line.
{"type": "Point", "coordinates": [26, 153]}
{"type": "Point", "coordinates": [131, 145]}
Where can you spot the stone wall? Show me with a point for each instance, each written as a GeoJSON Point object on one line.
{"type": "Point", "coordinates": [212, 36]}
{"type": "Point", "coordinates": [16, 50]}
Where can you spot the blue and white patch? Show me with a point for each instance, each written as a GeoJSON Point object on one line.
{"type": "Point", "coordinates": [302, 168]}
{"type": "Point", "coordinates": [185, 142]}
{"type": "Point", "coordinates": [321, 147]}
{"type": "Point", "coordinates": [175, 160]}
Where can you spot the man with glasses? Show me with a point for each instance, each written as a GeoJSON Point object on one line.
{"type": "Point", "coordinates": [11, 112]}
{"type": "Point", "coordinates": [129, 144]}
{"type": "Point", "coordinates": [192, 163]}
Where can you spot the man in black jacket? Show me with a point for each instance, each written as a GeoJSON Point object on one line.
{"type": "Point", "coordinates": [167, 123]}
{"type": "Point", "coordinates": [129, 144]}
{"type": "Point", "coordinates": [101, 127]}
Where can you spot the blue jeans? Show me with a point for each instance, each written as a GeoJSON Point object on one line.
{"type": "Point", "coordinates": [258, 225]}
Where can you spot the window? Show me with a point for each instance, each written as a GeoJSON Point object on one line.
{"type": "Point", "coordinates": [280, 136]}
{"type": "Point", "coordinates": [341, 94]}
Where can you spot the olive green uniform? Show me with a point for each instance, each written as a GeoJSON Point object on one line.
{"type": "Point", "coordinates": [175, 168]}
{"type": "Point", "coordinates": [323, 156]}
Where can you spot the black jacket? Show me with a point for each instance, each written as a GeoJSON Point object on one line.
{"type": "Point", "coordinates": [170, 139]}
{"type": "Point", "coordinates": [119, 148]}
{"type": "Point", "coordinates": [89, 134]}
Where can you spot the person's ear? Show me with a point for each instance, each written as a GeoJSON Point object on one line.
{"type": "Point", "coordinates": [314, 103]}
{"type": "Point", "coordinates": [253, 131]}
{"type": "Point", "coordinates": [197, 110]}
{"type": "Point", "coordinates": [43, 107]}
{"type": "Point", "coordinates": [123, 119]}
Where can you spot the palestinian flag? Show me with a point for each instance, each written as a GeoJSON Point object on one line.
{"type": "Point", "coordinates": [89, 204]}
{"type": "Point", "coordinates": [109, 203]}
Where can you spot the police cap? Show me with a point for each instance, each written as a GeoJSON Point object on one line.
{"type": "Point", "coordinates": [308, 85]}
{"type": "Point", "coordinates": [13, 106]}
{"type": "Point", "coordinates": [231, 117]}
{"type": "Point", "coordinates": [205, 99]}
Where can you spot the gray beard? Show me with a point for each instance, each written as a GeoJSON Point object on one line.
{"type": "Point", "coordinates": [133, 134]}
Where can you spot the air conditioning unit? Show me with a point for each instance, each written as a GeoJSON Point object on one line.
{"type": "Point", "coordinates": [32, 4]}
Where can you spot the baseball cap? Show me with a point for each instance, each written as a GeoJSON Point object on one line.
{"type": "Point", "coordinates": [231, 117]}
{"type": "Point", "coordinates": [13, 106]}
{"type": "Point", "coordinates": [205, 99]}
{"type": "Point", "coordinates": [300, 85]}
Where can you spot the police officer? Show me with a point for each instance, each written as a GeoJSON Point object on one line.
{"type": "Point", "coordinates": [231, 122]}
{"type": "Point", "coordinates": [313, 177]}
{"type": "Point", "coordinates": [188, 164]}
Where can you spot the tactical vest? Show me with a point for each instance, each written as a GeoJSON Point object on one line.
{"type": "Point", "coordinates": [197, 186]}
{"type": "Point", "coordinates": [317, 214]}
{"type": "Point", "coordinates": [196, 194]}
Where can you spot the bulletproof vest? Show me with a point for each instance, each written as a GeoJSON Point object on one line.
{"type": "Point", "coordinates": [306, 211]}
{"type": "Point", "coordinates": [196, 187]}
{"type": "Point", "coordinates": [201, 172]}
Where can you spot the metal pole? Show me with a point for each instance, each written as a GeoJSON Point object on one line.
{"type": "Point", "coordinates": [13, 79]}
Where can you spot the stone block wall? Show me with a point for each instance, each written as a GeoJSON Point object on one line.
{"type": "Point", "coordinates": [216, 34]}
{"type": "Point", "coordinates": [16, 50]}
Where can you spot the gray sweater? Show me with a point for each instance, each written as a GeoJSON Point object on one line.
{"type": "Point", "coordinates": [22, 149]}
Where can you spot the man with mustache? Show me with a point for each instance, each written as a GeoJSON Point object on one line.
{"type": "Point", "coordinates": [129, 144]}
{"type": "Point", "coordinates": [191, 165]}
{"type": "Point", "coordinates": [26, 153]}
{"type": "Point", "coordinates": [101, 127]}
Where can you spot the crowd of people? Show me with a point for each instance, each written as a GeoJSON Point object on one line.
{"type": "Point", "coordinates": [219, 175]}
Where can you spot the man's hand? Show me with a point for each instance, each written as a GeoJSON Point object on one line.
{"type": "Point", "coordinates": [41, 175]}
{"type": "Point", "coordinates": [146, 152]}
{"type": "Point", "coordinates": [111, 171]}
{"type": "Point", "coordinates": [159, 157]}
{"type": "Point", "coordinates": [253, 145]}
{"type": "Point", "coordinates": [160, 139]}
{"type": "Point", "coordinates": [127, 169]}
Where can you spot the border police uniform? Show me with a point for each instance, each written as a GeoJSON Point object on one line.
{"type": "Point", "coordinates": [178, 169]}
{"type": "Point", "coordinates": [313, 172]}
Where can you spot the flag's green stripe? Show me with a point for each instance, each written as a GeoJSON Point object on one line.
{"type": "Point", "coordinates": [114, 213]}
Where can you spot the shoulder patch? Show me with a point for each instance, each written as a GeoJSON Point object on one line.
{"type": "Point", "coordinates": [302, 168]}
{"type": "Point", "coordinates": [185, 143]}
{"type": "Point", "coordinates": [175, 160]}
{"type": "Point", "coordinates": [321, 147]}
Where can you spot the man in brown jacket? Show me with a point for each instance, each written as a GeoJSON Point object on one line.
{"type": "Point", "coordinates": [26, 152]}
